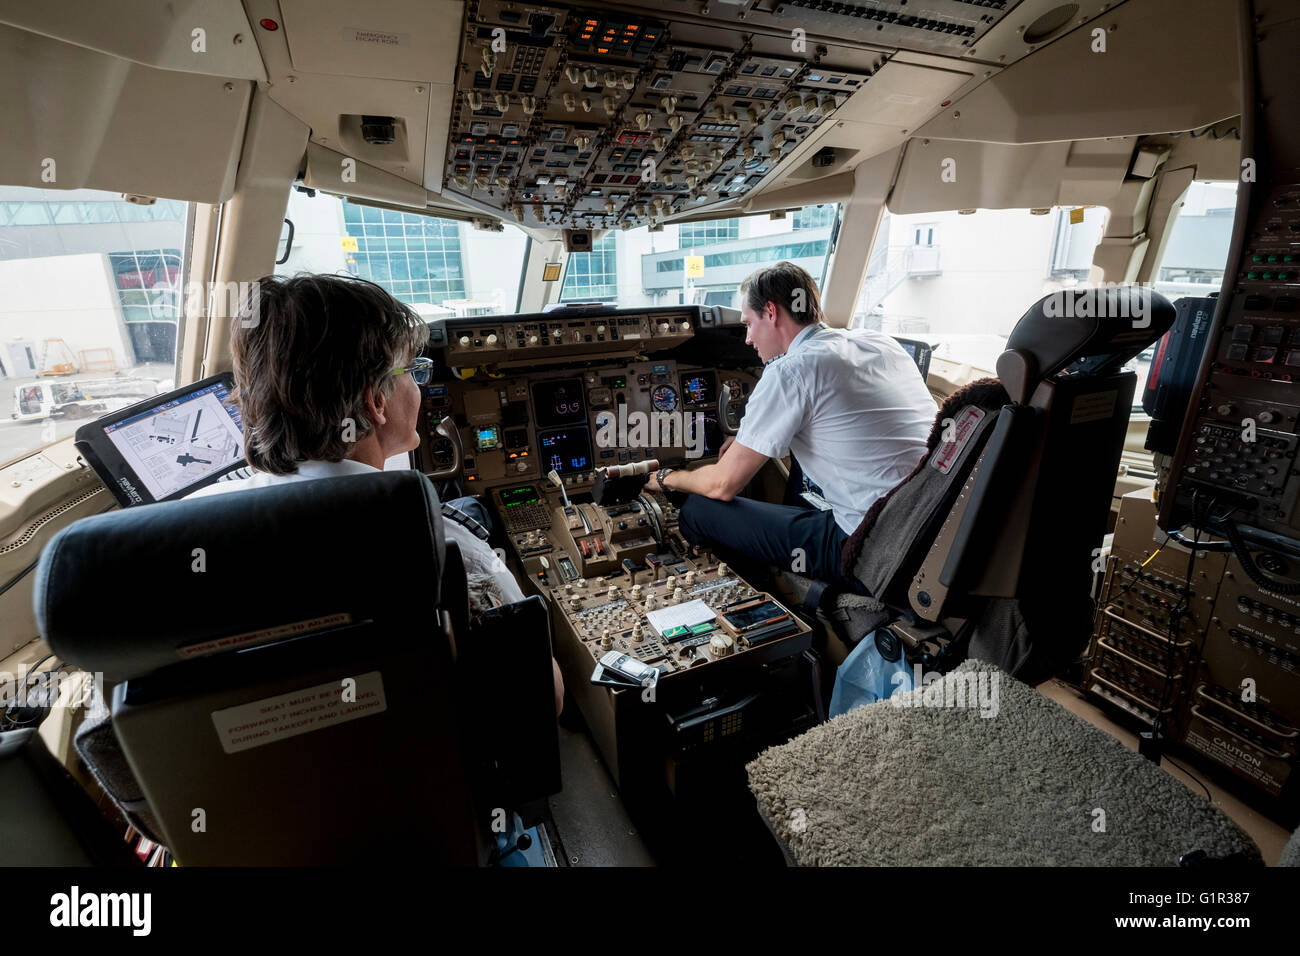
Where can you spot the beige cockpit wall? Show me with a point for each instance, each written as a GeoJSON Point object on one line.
{"type": "Point", "coordinates": [123, 96]}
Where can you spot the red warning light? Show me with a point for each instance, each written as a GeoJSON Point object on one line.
{"type": "Point", "coordinates": [267, 23]}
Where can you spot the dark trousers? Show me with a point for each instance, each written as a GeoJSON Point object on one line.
{"type": "Point", "coordinates": [742, 531]}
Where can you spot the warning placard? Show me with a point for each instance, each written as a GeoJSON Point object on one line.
{"type": "Point", "coordinates": [955, 437]}
{"type": "Point", "coordinates": [265, 721]}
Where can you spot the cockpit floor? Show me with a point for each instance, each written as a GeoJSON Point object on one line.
{"type": "Point", "coordinates": [1268, 835]}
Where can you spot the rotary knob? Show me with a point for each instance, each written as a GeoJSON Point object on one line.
{"type": "Point", "coordinates": [686, 326]}
{"type": "Point", "coordinates": [722, 569]}
{"type": "Point", "coordinates": [671, 582]}
{"type": "Point", "coordinates": [605, 640]}
{"type": "Point", "coordinates": [492, 339]}
{"type": "Point", "coordinates": [613, 590]}
{"type": "Point", "coordinates": [532, 339]}
{"type": "Point", "coordinates": [678, 594]}
{"type": "Point", "coordinates": [651, 603]}
{"type": "Point", "coordinates": [663, 327]}
{"type": "Point", "coordinates": [638, 634]}
{"type": "Point", "coordinates": [690, 578]}
{"type": "Point", "coordinates": [464, 341]}
{"type": "Point", "coordinates": [636, 592]}
{"type": "Point", "coordinates": [575, 602]}
{"type": "Point", "coordinates": [600, 330]}
{"type": "Point", "coordinates": [720, 645]}
{"type": "Point", "coordinates": [580, 583]}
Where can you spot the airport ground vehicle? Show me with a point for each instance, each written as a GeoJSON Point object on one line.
{"type": "Point", "coordinates": [557, 141]}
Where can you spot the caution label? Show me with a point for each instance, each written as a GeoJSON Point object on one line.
{"type": "Point", "coordinates": [1091, 408]}
{"type": "Point", "coordinates": [266, 721]}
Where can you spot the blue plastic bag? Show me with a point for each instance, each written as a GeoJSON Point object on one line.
{"type": "Point", "coordinates": [866, 677]}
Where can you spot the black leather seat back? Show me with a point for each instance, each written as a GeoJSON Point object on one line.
{"type": "Point", "coordinates": [994, 532]}
{"type": "Point", "coordinates": [290, 693]}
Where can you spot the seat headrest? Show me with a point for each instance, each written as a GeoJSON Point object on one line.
{"type": "Point", "coordinates": [132, 591]}
{"type": "Point", "coordinates": [1090, 330]}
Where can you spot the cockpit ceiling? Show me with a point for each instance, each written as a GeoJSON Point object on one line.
{"type": "Point", "coordinates": [607, 118]}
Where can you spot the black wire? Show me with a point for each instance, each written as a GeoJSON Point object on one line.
{"type": "Point", "coordinates": [1111, 601]}
{"type": "Point", "coordinates": [1174, 629]}
{"type": "Point", "coordinates": [1199, 783]}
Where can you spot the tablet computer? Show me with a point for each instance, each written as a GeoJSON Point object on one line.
{"type": "Point", "coordinates": [166, 446]}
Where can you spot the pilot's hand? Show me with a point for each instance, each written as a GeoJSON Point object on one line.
{"type": "Point", "coordinates": [652, 483]}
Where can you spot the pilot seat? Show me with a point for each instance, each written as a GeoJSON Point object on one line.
{"type": "Point", "coordinates": [296, 680]}
{"type": "Point", "coordinates": [986, 549]}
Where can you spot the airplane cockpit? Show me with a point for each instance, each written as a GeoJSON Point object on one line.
{"type": "Point", "coordinates": [740, 433]}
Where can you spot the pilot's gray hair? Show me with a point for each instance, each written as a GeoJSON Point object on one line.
{"type": "Point", "coordinates": [304, 359]}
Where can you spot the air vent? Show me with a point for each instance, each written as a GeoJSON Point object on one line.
{"type": "Point", "coordinates": [1050, 24]}
{"type": "Point", "coordinates": [29, 532]}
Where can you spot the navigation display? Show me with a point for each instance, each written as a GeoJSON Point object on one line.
{"type": "Point", "coordinates": [182, 441]}
{"type": "Point", "coordinates": [699, 388]}
{"type": "Point", "coordinates": [166, 446]}
{"type": "Point", "coordinates": [566, 450]}
{"type": "Point", "coordinates": [559, 403]}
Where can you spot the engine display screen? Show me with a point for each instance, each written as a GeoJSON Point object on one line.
{"type": "Point", "coordinates": [524, 495]}
{"type": "Point", "coordinates": [565, 450]}
{"type": "Point", "coordinates": [700, 388]}
{"type": "Point", "coordinates": [559, 403]}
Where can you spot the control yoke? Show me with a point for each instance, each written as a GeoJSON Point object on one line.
{"type": "Point", "coordinates": [725, 407]}
{"type": "Point", "coordinates": [448, 430]}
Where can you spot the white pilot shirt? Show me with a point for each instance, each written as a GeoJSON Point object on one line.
{"type": "Point", "coordinates": [852, 407]}
{"type": "Point", "coordinates": [478, 557]}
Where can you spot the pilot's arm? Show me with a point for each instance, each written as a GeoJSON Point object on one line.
{"type": "Point", "coordinates": [777, 410]}
{"type": "Point", "coordinates": [722, 480]}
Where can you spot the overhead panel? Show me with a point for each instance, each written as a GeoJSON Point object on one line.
{"type": "Point", "coordinates": [948, 27]}
{"type": "Point", "coordinates": [571, 116]}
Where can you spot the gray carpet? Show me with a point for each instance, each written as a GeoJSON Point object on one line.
{"type": "Point", "coordinates": [1291, 852]}
{"type": "Point", "coordinates": [942, 786]}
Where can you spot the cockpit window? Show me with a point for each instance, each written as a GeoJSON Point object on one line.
{"type": "Point", "coordinates": [439, 267]}
{"type": "Point", "coordinates": [961, 280]}
{"type": "Point", "coordinates": [700, 262]}
{"type": "Point", "coordinates": [90, 315]}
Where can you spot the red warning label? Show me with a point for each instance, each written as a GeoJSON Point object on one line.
{"type": "Point", "coordinates": [956, 436]}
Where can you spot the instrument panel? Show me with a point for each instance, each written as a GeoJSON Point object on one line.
{"type": "Point", "coordinates": [523, 410]}
{"type": "Point", "coordinates": [572, 116]}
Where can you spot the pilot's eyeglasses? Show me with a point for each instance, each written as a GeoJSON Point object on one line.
{"type": "Point", "coordinates": [420, 369]}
